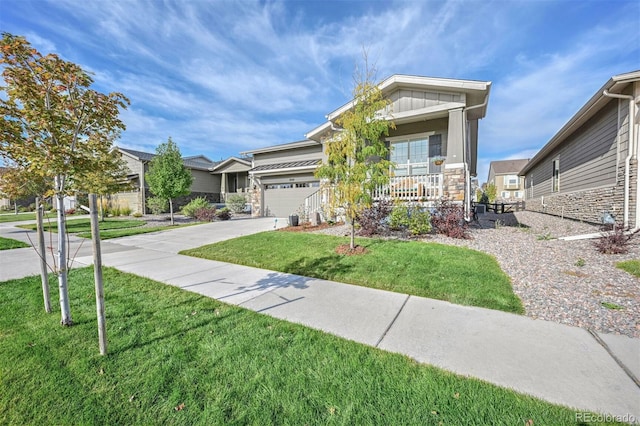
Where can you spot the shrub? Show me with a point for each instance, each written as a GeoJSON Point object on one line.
{"type": "Point", "coordinates": [448, 219]}
{"type": "Point", "coordinates": [125, 211]}
{"type": "Point", "coordinates": [195, 204]}
{"type": "Point", "coordinates": [157, 205]}
{"type": "Point", "coordinates": [114, 211]}
{"type": "Point", "coordinates": [70, 211]}
{"type": "Point", "coordinates": [236, 203]}
{"type": "Point", "coordinates": [137, 214]}
{"type": "Point", "coordinates": [399, 217]}
{"type": "Point", "coordinates": [205, 214]}
{"type": "Point", "coordinates": [613, 241]}
{"type": "Point", "coordinates": [419, 221]}
{"type": "Point", "coordinates": [373, 220]}
{"type": "Point", "coordinates": [224, 214]}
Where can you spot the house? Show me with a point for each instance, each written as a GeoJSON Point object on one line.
{"type": "Point", "coordinates": [505, 176]}
{"type": "Point", "coordinates": [283, 177]}
{"type": "Point", "coordinates": [434, 147]}
{"type": "Point", "coordinates": [211, 180]}
{"type": "Point", "coordinates": [589, 170]}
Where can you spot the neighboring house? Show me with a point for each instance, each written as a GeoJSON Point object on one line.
{"type": "Point", "coordinates": [589, 169]}
{"type": "Point", "coordinates": [283, 177]}
{"type": "Point", "coordinates": [436, 118]}
{"type": "Point", "coordinates": [208, 178]}
{"type": "Point", "coordinates": [505, 175]}
{"type": "Point", "coordinates": [234, 176]}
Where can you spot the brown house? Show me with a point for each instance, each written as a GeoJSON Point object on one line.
{"type": "Point", "coordinates": [505, 176]}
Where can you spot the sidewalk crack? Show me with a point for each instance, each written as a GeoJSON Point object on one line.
{"type": "Point", "coordinates": [393, 321]}
{"type": "Point", "coordinates": [615, 358]}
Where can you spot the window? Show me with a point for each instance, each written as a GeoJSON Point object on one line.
{"type": "Point", "coordinates": [511, 181]}
{"type": "Point", "coordinates": [411, 156]}
{"type": "Point", "coordinates": [505, 194]}
{"type": "Point", "coordinates": [518, 194]}
{"type": "Point", "coordinates": [555, 176]}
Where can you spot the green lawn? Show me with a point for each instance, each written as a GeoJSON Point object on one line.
{"type": "Point", "coordinates": [109, 228]}
{"type": "Point", "coordinates": [631, 266]}
{"type": "Point", "coordinates": [455, 274]}
{"type": "Point", "coordinates": [11, 217]}
{"type": "Point", "coordinates": [8, 243]}
{"type": "Point", "coordinates": [220, 364]}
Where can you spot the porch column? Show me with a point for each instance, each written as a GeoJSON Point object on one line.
{"type": "Point", "coordinates": [223, 186]}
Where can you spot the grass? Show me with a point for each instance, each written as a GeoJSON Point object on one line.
{"type": "Point", "coordinates": [179, 358]}
{"type": "Point", "coordinates": [455, 274]}
{"type": "Point", "coordinates": [8, 243]}
{"type": "Point", "coordinates": [109, 228]}
{"type": "Point", "coordinates": [631, 266]}
{"type": "Point", "coordinates": [12, 217]}
{"type": "Point", "coordinates": [612, 306]}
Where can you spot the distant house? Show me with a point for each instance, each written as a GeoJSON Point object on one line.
{"type": "Point", "coordinates": [589, 169]}
{"type": "Point", "coordinates": [208, 178]}
{"type": "Point", "coordinates": [505, 176]}
{"type": "Point", "coordinates": [434, 147]}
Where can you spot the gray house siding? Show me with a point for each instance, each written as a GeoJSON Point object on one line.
{"type": "Point", "coordinates": [407, 100]}
{"type": "Point", "coordinates": [286, 156]}
{"type": "Point", "coordinates": [591, 169]}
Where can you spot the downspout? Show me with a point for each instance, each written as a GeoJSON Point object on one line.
{"type": "Point", "coordinates": [467, 153]}
{"type": "Point", "coordinates": [631, 152]}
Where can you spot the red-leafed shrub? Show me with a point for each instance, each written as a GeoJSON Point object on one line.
{"type": "Point", "coordinates": [448, 219]}
{"type": "Point", "coordinates": [613, 241]}
{"type": "Point", "coordinates": [205, 214]}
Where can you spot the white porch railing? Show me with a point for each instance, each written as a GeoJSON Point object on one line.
{"type": "Point", "coordinates": [412, 188]}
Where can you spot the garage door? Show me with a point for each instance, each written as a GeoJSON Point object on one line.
{"type": "Point", "coordinates": [282, 200]}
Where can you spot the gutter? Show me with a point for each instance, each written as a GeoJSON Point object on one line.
{"type": "Point", "coordinates": [467, 153]}
{"type": "Point", "coordinates": [631, 152]}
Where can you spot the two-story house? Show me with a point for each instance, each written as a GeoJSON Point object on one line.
{"type": "Point", "coordinates": [505, 176]}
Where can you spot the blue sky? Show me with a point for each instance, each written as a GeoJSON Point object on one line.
{"type": "Point", "coordinates": [221, 77]}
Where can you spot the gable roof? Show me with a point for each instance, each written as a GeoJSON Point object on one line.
{"type": "Point", "coordinates": [223, 163]}
{"type": "Point", "coordinates": [504, 167]}
{"type": "Point", "coordinates": [477, 94]}
{"type": "Point", "coordinates": [615, 85]}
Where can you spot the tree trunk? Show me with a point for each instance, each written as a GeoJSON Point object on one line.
{"type": "Point", "coordinates": [353, 234]}
{"type": "Point", "coordinates": [97, 275]}
{"type": "Point", "coordinates": [65, 309]}
{"type": "Point", "coordinates": [171, 210]}
{"type": "Point", "coordinates": [44, 276]}
{"type": "Point", "coordinates": [15, 206]}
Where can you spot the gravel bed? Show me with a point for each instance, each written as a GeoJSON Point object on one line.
{"type": "Point", "coordinates": [562, 281]}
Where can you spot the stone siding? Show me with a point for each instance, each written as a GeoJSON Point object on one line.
{"type": "Point", "coordinates": [589, 205]}
{"type": "Point", "coordinates": [453, 185]}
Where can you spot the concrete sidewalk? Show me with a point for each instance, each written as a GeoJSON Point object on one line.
{"type": "Point", "coordinates": [557, 363]}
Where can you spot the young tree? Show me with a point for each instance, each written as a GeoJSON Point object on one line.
{"type": "Point", "coordinates": [356, 154]}
{"type": "Point", "coordinates": [108, 177]}
{"type": "Point", "coordinates": [52, 126]}
{"type": "Point", "coordinates": [491, 192]}
{"type": "Point", "coordinates": [15, 184]}
{"type": "Point", "coordinates": [168, 178]}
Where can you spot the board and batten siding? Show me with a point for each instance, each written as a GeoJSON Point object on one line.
{"type": "Point", "coordinates": [406, 100]}
{"type": "Point", "coordinates": [286, 156]}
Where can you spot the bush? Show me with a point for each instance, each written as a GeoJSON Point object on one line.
{"type": "Point", "coordinates": [195, 204]}
{"type": "Point", "coordinates": [224, 214]}
{"type": "Point", "coordinates": [125, 211]}
{"type": "Point", "coordinates": [137, 214]}
{"type": "Point", "coordinates": [412, 217]}
{"type": "Point", "coordinates": [236, 203]}
{"type": "Point", "coordinates": [448, 219]}
{"type": "Point", "coordinates": [70, 211]}
{"type": "Point", "coordinates": [157, 205]}
{"type": "Point", "coordinates": [419, 221]}
{"type": "Point", "coordinates": [399, 217]}
{"type": "Point", "coordinates": [613, 241]}
{"type": "Point", "coordinates": [205, 214]}
{"type": "Point", "coordinates": [373, 220]}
